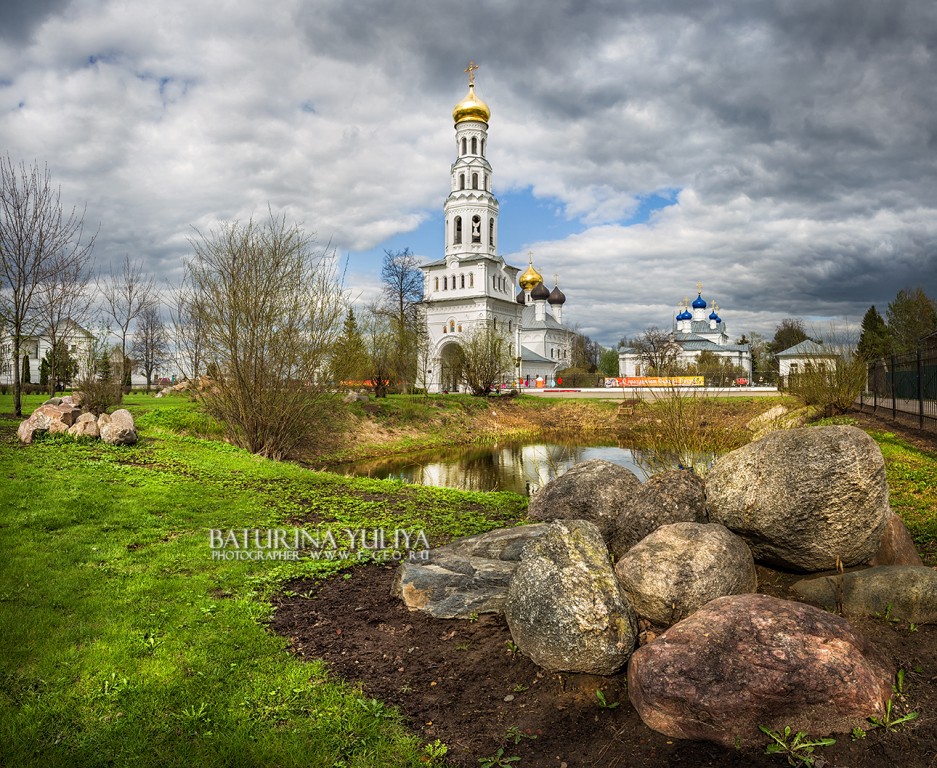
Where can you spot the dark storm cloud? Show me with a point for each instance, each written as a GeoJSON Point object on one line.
{"type": "Point", "coordinates": [19, 18]}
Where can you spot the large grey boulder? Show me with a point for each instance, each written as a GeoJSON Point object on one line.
{"type": "Point", "coordinates": [750, 660]}
{"type": "Point", "coordinates": [468, 576]}
{"type": "Point", "coordinates": [802, 498]}
{"type": "Point", "coordinates": [565, 608]}
{"type": "Point", "coordinates": [592, 490]}
{"type": "Point", "coordinates": [680, 567]}
{"type": "Point", "coordinates": [51, 417]}
{"type": "Point", "coordinates": [674, 496]}
{"type": "Point", "coordinates": [904, 592]}
{"type": "Point", "coordinates": [117, 428]}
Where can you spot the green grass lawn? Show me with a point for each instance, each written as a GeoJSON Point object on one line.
{"type": "Point", "coordinates": [124, 643]}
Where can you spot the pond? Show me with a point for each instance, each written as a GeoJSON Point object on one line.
{"type": "Point", "coordinates": [521, 468]}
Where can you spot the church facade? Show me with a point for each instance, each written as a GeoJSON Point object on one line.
{"type": "Point", "coordinates": [472, 286]}
{"type": "Point", "coordinates": [693, 332]}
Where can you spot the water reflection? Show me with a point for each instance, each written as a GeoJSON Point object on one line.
{"type": "Point", "coordinates": [519, 468]}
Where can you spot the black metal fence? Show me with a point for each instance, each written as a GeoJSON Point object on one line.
{"type": "Point", "coordinates": [904, 387]}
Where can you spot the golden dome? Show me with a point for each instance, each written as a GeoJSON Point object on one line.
{"type": "Point", "coordinates": [471, 108]}
{"type": "Point", "coordinates": [530, 278]}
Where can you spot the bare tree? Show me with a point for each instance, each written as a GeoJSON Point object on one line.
{"type": "Point", "coordinates": [150, 341]}
{"type": "Point", "coordinates": [270, 309]}
{"type": "Point", "coordinates": [64, 304]}
{"type": "Point", "coordinates": [188, 333]}
{"type": "Point", "coordinates": [657, 350]}
{"type": "Point", "coordinates": [125, 295]}
{"type": "Point", "coordinates": [486, 357]}
{"type": "Point", "coordinates": [380, 350]}
{"type": "Point", "coordinates": [401, 296]}
{"type": "Point", "coordinates": [36, 232]}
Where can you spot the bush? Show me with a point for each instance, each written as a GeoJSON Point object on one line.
{"type": "Point", "coordinates": [98, 395]}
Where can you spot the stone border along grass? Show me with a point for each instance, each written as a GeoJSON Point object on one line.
{"type": "Point", "coordinates": [123, 643]}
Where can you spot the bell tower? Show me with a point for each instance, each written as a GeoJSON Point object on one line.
{"type": "Point", "coordinates": [471, 210]}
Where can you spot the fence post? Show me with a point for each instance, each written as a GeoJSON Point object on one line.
{"type": "Point", "coordinates": [894, 397]}
{"type": "Point", "coordinates": [920, 390]}
{"type": "Point", "coordinates": [875, 388]}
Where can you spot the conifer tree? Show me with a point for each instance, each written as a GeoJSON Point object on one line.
{"type": "Point", "coordinates": [874, 341]}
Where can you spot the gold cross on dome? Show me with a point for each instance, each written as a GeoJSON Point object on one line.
{"type": "Point", "coordinates": [471, 72]}
{"type": "Point", "coordinates": [530, 257]}
{"type": "Point", "coordinates": [699, 287]}
{"type": "Point", "coordinates": [556, 279]}
{"type": "Point", "coordinates": [686, 301]}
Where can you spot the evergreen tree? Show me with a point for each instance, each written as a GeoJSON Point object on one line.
{"type": "Point", "coordinates": [348, 358]}
{"type": "Point", "coordinates": [874, 340]}
{"type": "Point", "coordinates": [788, 333]}
{"type": "Point", "coordinates": [911, 316]}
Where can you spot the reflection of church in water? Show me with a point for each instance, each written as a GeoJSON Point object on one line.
{"type": "Point", "coordinates": [473, 286]}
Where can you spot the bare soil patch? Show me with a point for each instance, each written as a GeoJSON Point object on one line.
{"type": "Point", "coordinates": [458, 682]}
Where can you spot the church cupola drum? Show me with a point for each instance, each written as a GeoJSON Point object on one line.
{"type": "Point", "coordinates": [471, 210]}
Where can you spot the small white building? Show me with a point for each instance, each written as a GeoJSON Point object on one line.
{"type": "Point", "coordinates": [800, 357]}
{"type": "Point", "coordinates": [472, 285]}
{"type": "Point", "coordinates": [78, 340]}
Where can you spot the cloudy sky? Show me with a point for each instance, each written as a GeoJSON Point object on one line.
{"type": "Point", "coordinates": [784, 154]}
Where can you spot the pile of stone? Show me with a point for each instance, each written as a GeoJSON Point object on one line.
{"type": "Point", "coordinates": [64, 414]}
{"type": "Point", "coordinates": [676, 557]}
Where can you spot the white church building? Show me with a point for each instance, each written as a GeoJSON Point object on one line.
{"type": "Point", "coordinates": [472, 285]}
{"type": "Point", "coordinates": [692, 333]}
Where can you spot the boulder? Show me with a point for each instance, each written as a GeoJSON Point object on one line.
{"type": "Point", "coordinates": [680, 567]}
{"type": "Point", "coordinates": [803, 497]}
{"type": "Point", "coordinates": [901, 592]}
{"type": "Point", "coordinates": [86, 426]}
{"type": "Point", "coordinates": [675, 496]}
{"type": "Point", "coordinates": [118, 428]}
{"type": "Point", "coordinates": [53, 401]}
{"type": "Point", "coordinates": [564, 606]}
{"type": "Point", "coordinates": [780, 417]}
{"type": "Point", "coordinates": [468, 576]}
{"type": "Point", "coordinates": [749, 660]}
{"type": "Point", "coordinates": [591, 490]}
{"type": "Point", "coordinates": [51, 418]}
{"type": "Point", "coordinates": [897, 547]}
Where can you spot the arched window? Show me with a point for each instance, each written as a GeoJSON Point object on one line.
{"type": "Point", "coordinates": [471, 279]}
{"type": "Point", "coordinates": [483, 147]}
{"type": "Point", "coordinates": [484, 181]}
{"type": "Point", "coordinates": [491, 233]}
{"type": "Point", "coordinates": [445, 282]}
{"type": "Point", "coordinates": [461, 281]}
{"type": "Point", "coordinates": [474, 181]}
{"type": "Point", "coordinates": [437, 283]}
{"type": "Point", "coordinates": [457, 236]}
{"type": "Point", "coordinates": [510, 323]}
{"type": "Point", "coordinates": [460, 327]}
{"type": "Point", "coordinates": [452, 326]}
{"type": "Point", "coordinates": [476, 228]}
{"type": "Point", "coordinates": [463, 145]}
{"type": "Point", "coordinates": [551, 353]}
{"type": "Point", "coordinates": [474, 146]}
{"type": "Point", "coordinates": [461, 181]}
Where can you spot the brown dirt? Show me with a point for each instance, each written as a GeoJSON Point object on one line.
{"type": "Point", "coordinates": [456, 681]}
{"type": "Point", "coordinates": [922, 439]}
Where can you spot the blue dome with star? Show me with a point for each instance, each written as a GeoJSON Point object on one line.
{"type": "Point", "coordinates": [714, 316]}
{"type": "Point", "coordinates": [699, 302]}
{"type": "Point", "coordinates": [685, 315]}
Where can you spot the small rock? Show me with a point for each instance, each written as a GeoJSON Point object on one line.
{"type": "Point", "coordinates": [118, 428]}
{"type": "Point", "coordinates": [897, 547]}
{"type": "Point", "coordinates": [902, 592]}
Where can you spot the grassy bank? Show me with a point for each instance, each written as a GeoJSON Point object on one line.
{"type": "Point", "coordinates": [124, 643]}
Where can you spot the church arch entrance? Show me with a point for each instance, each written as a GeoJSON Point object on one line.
{"type": "Point", "coordinates": [450, 374]}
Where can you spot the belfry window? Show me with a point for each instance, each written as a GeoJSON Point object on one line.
{"type": "Point", "coordinates": [463, 145]}
{"type": "Point", "coordinates": [476, 228]}
{"type": "Point", "coordinates": [474, 146]}
{"type": "Point", "coordinates": [483, 147]}
{"type": "Point", "coordinates": [474, 181]}
{"type": "Point", "coordinates": [461, 281]}
{"type": "Point", "coordinates": [457, 236]}
{"type": "Point", "coordinates": [461, 181]}
{"type": "Point", "coordinates": [491, 233]}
